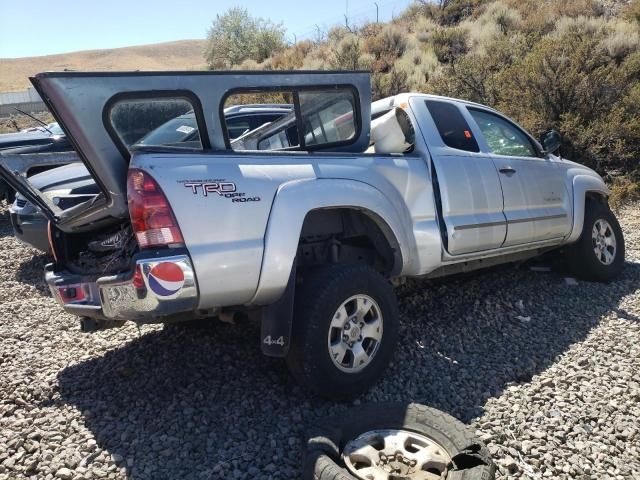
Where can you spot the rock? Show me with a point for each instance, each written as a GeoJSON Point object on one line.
{"type": "Point", "coordinates": [509, 464]}
{"type": "Point", "coordinates": [64, 474]}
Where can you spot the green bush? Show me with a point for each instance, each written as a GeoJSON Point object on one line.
{"type": "Point", "coordinates": [347, 53]}
{"type": "Point", "coordinates": [235, 36]}
{"type": "Point", "coordinates": [449, 44]}
{"type": "Point", "coordinates": [632, 11]}
{"type": "Point", "coordinates": [623, 190]}
{"type": "Point", "coordinates": [388, 84]}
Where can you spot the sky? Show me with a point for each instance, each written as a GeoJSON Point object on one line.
{"type": "Point", "coordinates": [39, 27]}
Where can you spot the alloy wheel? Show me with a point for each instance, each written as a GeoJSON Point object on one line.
{"type": "Point", "coordinates": [604, 241]}
{"type": "Point", "coordinates": [355, 333]}
{"type": "Point", "coordinates": [390, 454]}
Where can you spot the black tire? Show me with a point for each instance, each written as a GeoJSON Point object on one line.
{"type": "Point", "coordinates": [316, 302]}
{"type": "Point", "coordinates": [470, 458]}
{"type": "Point", "coordinates": [582, 259]}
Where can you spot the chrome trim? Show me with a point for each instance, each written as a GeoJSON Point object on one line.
{"type": "Point", "coordinates": [116, 298]}
{"type": "Point", "coordinates": [509, 222]}
{"type": "Point", "coordinates": [122, 301]}
{"type": "Point", "coordinates": [478, 225]}
{"type": "Point", "coordinates": [536, 219]}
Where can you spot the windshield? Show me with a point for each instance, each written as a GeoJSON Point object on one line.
{"type": "Point", "coordinates": [177, 130]}
{"type": "Point", "coordinates": [55, 129]}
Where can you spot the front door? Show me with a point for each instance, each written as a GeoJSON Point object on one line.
{"type": "Point", "coordinates": [537, 204]}
{"type": "Point", "coordinates": [465, 180]}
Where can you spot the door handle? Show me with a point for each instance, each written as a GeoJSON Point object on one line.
{"type": "Point", "coordinates": [507, 170]}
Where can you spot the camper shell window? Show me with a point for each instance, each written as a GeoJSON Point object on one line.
{"type": "Point", "coordinates": [152, 120]}
{"type": "Point", "coordinates": [318, 118]}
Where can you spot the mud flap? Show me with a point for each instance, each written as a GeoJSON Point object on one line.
{"type": "Point", "coordinates": [277, 320]}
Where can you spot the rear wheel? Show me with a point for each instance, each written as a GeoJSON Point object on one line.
{"type": "Point", "coordinates": [599, 254]}
{"type": "Point", "coordinates": [344, 331]}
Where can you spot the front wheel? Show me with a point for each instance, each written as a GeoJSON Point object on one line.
{"type": "Point", "coordinates": [345, 330]}
{"type": "Point", "coordinates": [599, 254]}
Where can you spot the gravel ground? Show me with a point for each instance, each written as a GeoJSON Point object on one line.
{"type": "Point", "coordinates": [545, 370]}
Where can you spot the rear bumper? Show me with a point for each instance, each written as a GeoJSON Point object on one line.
{"type": "Point", "coordinates": [158, 286]}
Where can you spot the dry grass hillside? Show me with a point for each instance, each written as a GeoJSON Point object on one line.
{"type": "Point", "coordinates": [180, 55]}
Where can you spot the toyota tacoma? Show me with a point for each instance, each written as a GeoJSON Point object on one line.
{"type": "Point", "coordinates": [303, 221]}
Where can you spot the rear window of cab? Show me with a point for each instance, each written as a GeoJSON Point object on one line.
{"type": "Point", "coordinates": [452, 126]}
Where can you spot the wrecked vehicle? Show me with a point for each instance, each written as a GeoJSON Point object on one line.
{"type": "Point", "coordinates": [303, 221]}
{"type": "Point", "coordinates": [45, 138]}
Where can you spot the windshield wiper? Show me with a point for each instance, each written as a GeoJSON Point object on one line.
{"type": "Point", "coordinates": [42, 124]}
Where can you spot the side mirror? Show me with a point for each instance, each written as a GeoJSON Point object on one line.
{"type": "Point", "coordinates": [550, 141]}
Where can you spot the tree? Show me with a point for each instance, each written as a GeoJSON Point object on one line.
{"type": "Point", "coordinates": [236, 36]}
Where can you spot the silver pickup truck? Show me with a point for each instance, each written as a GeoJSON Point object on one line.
{"type": "Point", "coordinates": [304, 221]}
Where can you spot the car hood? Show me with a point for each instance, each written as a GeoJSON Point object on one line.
{"type": "Point", "coordinates": [19, 139]}
{"type": "Point", "coordinates": [72, 177]}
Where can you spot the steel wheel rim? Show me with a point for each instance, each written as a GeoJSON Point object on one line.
{"type": "Point", "coordinates": [603, 240]}
{"type": "Point", "coordinates": [389, 453]}
{"type": "Point", "coordinates": [355, 333]}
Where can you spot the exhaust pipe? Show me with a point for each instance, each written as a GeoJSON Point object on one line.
{"type": "Point", "coordinates": [90, 325]}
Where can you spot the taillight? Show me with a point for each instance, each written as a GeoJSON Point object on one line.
{"type": "Point", "coordinates": [152, 219]}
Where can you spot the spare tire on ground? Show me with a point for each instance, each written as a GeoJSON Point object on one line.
{"type": "Point", "coordinates": [394, 441]}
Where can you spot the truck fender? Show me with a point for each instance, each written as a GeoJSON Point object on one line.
{"type": "Point", "coordinates": [582, 185]}
{"type": "Point", "coordinates": [294, 200]}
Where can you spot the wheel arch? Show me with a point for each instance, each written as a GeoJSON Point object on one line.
{"type": "Point", "coordinates": [293, 204]}
{"type": "Point", "coordinates": [586, 188]}
{"type": "Point", "coordinates": [357, 222]}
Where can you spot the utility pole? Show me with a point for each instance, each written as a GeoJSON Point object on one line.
{"type": "Point", "coordinates": [346, 14]}
{"type": "Point", "coordinates": [377, 16]}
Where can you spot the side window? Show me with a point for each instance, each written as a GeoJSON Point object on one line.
{"type": "Point", "coordinates": [261, 120]}
{"type": "Point", "coordinates": [327, 116]}
{"type": "Point", "coordinates": [452, 126]}
{"type": "Point", "coordinates": [503, 138]}
{"type": "Point", "coordinates": [155, 122]}
{"type": "Point", "coordinates": [296, 119]}
{"type": "Point", "coordinates": [237, 126]}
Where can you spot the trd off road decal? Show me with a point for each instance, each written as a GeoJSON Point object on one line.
{"type": "Point", "coordinates": [221, 188]}
{"type": "Point", "coordinates": [166, 279]}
